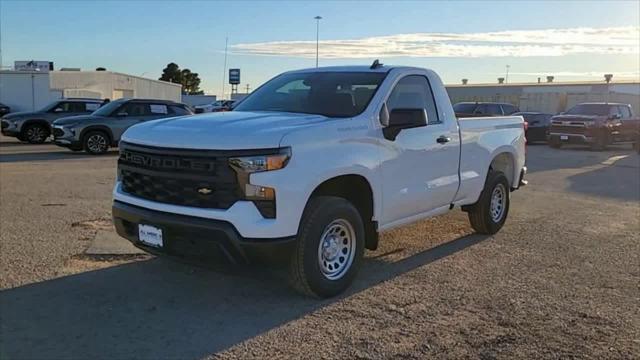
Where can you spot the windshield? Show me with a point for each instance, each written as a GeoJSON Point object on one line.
{"type": "Point", "coordinates": [50, 106]}
{"type": "Point", "coordinates": [332, 94]}
{"type": "Point", "coordinates": [464, 108]}
{"type": "Point", "coordinates": [589, 109]}
{"type": "Point", "coordinates": [107, 109]}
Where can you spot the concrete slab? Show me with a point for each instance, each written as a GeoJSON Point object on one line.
{"type": "Point", "coordinates": [109, 243]}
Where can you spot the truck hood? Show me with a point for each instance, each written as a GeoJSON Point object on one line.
{"type": "Point", "coordinates": [233, 130]}
{"type": "Point", "coordinates": [578, 118]}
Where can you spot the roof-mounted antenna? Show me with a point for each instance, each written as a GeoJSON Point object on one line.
{"type": "Point", "coordinates": [376, 64]}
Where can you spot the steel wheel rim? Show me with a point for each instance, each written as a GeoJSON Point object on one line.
{"type": "Point", "coordinates": [96, 143]}
{"type": "Point", "coordinates": [35, 133]}
{"type": "Point", "coordinates": [498, 202]}
{"type": "Point", "coordinates": [337, 249]}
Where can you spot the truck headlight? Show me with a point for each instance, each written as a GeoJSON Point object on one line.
{"type": "Point", "coordinates": [252, 164]}
{"type": "Point", "coordinates": [263, 197]}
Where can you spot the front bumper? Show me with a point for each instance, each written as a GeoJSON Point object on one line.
{"type": "Point", "coordinates": [64, 137]}
{"type": "Point", "coordinates": [9, 129]}
{"type": "Point", "coordinates": [197, 238]}
{"type": "Point", "coordinates": [571, 138]}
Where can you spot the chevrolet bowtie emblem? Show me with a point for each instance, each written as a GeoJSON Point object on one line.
{"type": "Point", "coordinates": [205, 191]}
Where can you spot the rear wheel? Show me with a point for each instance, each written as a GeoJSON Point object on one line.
{"type": "Point", "coordinates": [35, 133]}
{"type": "Point", "coordinates": [489, 213]}
{"type": "Point", "coordinates": [96, 142]}
{"type": "Point", "coordinates": [330, 247]}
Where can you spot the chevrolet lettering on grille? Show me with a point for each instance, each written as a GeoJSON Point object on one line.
{"type": "Point", "coordinates": [166, 163]}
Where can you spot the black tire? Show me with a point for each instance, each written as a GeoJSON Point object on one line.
{"type": "Point", "coordinates": [555, 142]}
{"type": "Point", "coordinates": [481, 215]}
{"type": "Point", "coordinates": [96, 142]}
{"type": "Point", "coordinates": [35, 133]}
{"type": "Point", "coordinates": [599, 143]}
{"type": "Point", "coordinates": [321, 216]}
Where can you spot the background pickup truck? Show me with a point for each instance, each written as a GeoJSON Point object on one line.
{"type": "Point", "coordinates": [596, 124]}
{"type": "Point", "coordinates": [311, 167]}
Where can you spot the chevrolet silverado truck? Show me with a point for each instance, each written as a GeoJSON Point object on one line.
{"type": "Point", "coordinates": [311, 167]}
{"type": "Point", "coordinates": [597, 125]}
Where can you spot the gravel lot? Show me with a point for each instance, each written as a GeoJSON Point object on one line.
{"type": "Point", "coordinates": [559, 281]}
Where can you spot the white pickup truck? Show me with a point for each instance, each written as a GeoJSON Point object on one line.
{"type": "Point", "coordinates": [311, 167]}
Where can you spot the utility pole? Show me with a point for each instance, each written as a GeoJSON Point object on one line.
{"type": "Point", "coordinates": [1, 63]}
{"type": "Point", "coordinates": [318, 18]}
{"type": "Point", "coordinates": [247, 87]}
{"type": "Point", "coordinates": [224, 70]}
{"type": "Point", "coordinates": [506, 78]}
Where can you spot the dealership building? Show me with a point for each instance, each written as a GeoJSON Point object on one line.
{"type": "Point", "coordinates": [31, 90]}
{"type": "Point", "coordinates": [549, 97]}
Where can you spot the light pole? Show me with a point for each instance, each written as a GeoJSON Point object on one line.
{"type": "Point", "coordinates": [318, 18]}
{"type": "Point", "coordinates": [506, 78]}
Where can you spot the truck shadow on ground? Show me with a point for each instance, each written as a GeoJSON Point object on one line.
{"type": "Point", "coordinates": [165, 309]}
{"type": "Point", "coordinates": [50, 155]}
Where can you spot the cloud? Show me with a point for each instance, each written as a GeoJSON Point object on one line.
{"type": "Point", "coordinates": [517, 43]}
{"type": "Point", "coordinates": [597, 74]}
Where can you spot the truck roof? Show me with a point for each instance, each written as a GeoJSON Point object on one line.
{"type": "Point", "coordinates": [355, 68]}
{"type": "Point", "coordinates": [604, 103]}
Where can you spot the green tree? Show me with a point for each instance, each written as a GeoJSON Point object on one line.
{"type": "Point", "coordinates": [189, 80]}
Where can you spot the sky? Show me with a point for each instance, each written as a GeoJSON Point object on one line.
{"type": "Point", "coordinates": [476, 40]}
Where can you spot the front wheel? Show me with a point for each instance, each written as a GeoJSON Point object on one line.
{"type": "Point", "coordinates": [36, 134]}
{"type": "Point", "coordinates": [330, 247]}
{"type": "Point", "coordinates": [489, 213]}
{"type": "Point", "coordinates": [96, 143]}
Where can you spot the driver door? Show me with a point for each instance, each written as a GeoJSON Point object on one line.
{"type": "Point", "coordinates": [419, 168]}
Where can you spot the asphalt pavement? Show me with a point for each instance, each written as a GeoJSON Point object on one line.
{"type": "Point", "coordinates": [560, 279]}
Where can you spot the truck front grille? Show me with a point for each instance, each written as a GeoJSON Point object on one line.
{"type": "Point", "coordinates": [198, 178]}
{"type": "Point", "coordinates": [560, 129]}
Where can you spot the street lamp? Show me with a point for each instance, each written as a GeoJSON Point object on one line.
{"type": "Point", "coordinates": [318, 18]}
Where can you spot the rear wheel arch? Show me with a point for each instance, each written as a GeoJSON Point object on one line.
{"type": "Point", "coordinates": [505, 163]}
{"type": "Point", "coordinates": [357, 190]}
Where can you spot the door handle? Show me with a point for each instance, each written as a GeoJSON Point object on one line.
{"type": "Point", "coordinates": [443, 139]}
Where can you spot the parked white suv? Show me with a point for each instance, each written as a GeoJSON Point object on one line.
{"type": "Point", "coordinates": [312, 166]}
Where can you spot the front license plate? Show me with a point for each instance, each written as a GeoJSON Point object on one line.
{"type": "Point", "coordinates": [564, 137]}
{"type": "Point", "coordinates": [150, 235]}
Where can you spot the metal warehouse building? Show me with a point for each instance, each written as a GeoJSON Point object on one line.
{"type": "Point", "coordinates": [32, 90]}
{"type": "Point", "coordinates": [112, 85]}
{"type": "Point", "coordinates": [549, 97]}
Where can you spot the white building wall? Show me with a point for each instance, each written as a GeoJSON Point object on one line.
{"type": "Point", "coordinates": [26, 90]}
{"type": "Point", "coordinates": [113, 85]}
{"type": "Point", "coordinates": [195, 100]}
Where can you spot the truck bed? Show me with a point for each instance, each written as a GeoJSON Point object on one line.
{"type": "Point", "coordinates": [481, 139]}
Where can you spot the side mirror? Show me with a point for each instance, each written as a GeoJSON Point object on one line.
{"type": "Point", "coordinates": [400, 119]}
